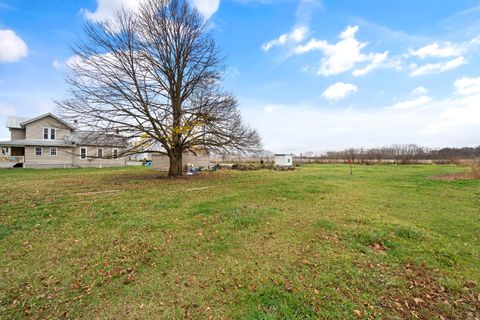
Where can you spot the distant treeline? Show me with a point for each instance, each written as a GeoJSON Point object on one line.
{"type": "Point", "coordinates": [398, 153]}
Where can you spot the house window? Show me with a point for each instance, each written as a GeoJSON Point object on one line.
{"type": "Point", "coordinates": [53, 151]}
{"type": "Point", "coordinates": [99, 152]}
{"type": "Point", "coordinates": [115, 153]}
{"type": "Point", "coordinates": [83, 153]}
{"type": "Point", "coordinates": [38, 151]}
{"type": "Point", "coordinates": [49, 134]}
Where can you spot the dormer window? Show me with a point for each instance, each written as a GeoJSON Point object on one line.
{"type": "Point", "coordinates": [49, 134]}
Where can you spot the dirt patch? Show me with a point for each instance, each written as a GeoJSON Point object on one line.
{"type": "Point", "coordinates": [426, 298]}
{"type": "Point", "coordinates": [139, 176]}
{"type": "Point", "coordinates": [95, 192]}
{"type": "Point", "coordinates": [377, 247]}
{"type": "Point", "coordinates": [451, 177]}
{"type": "Point", "coordinates": [156, 176]}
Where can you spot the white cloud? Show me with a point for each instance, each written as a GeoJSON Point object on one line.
{"type": "Point", "coordinates": [377, 60]}
{"type": "Point", "coordinates": [430, 68]}
{"type": "Point", "coordinates": [297, 35]}
{"type": "Point", "coordinates": [12, 47]}
{"type": "Point", "coordinates": [423, 120]}
{"type": "Point", "coordinates": [411, 104]}
{"type": "Point", "coordinates": [468, 86]}
{"type": "Point", "coordinates": [73, 61]}
{"type": "Point", "coordinates": [301, 29]}
{"type": "Point", "coordinates": [344, 55]}
{"type": "Point", "coordinates": [419, 91]}
{"type": "Point", "coordinates": [304, 127]}
{"type": "Point", "coordinates": [107, 9]}
{"type": "Point", "coordinates": [339, 91]}
{"type": "Point", "coordinates": [435, 50]}
{"type": "Point", "coordinates": [206, 7]}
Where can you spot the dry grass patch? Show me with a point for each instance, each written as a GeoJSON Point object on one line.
{"type": "Point", "coordinates": [472, 171]}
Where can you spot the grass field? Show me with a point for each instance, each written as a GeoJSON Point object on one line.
{"type": "Point", "coordinates": [385, 243]}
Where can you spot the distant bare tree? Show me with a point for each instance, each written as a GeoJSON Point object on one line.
{"type": "Point", "coordinates": [403, 154]}
{"type": "Point", "coordinates": [154, 76]}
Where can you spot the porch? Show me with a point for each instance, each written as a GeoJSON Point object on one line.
{"type": "Point", "coordinates": [12, 157]}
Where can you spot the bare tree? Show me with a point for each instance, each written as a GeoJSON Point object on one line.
{"type": "Point", "coordinates": [154, 76]}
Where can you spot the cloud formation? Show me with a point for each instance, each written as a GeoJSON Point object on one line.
{"type": "Point", "coordinates": [423, 120]}
{"type": "Point", "coordinates": [435, 50]}
{"type": "Point", "coordinates": [411, 104]}
{"type": "Point", "coordinates": [344, 55]}
{"type": "Point", "coordinates": [419, 91]}
{"type": "Point", "coordinates": [467, 86]}
{"type": "Point", "coordinates": [301, 28]}
{"type": "Point", "coordinates": [206, 7]}
{"type": "Point", "coordinates": [106, 9]}
{"type": "Point", "coordinates": [438, 67]}
{"type": "Point", "coordinates": [12, 47]}
{"type": "Point", "coordinates": [339, 91]}
{"type": "Point", "coordinates": [295, 36]}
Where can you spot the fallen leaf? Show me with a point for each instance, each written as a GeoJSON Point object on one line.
{"type": "Point", "coordinates": [471, 284]}
{"type": "Point", "coordinates": [288, 287]}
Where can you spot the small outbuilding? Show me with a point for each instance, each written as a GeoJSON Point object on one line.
{"type": "Point", "coordinates": [283, 160]}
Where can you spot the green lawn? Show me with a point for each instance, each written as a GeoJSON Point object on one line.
{"type": "Point", "coordinates": [387, 242]}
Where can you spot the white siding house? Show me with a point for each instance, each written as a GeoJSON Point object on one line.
{"type": "Point", "coordinates": [50, 142]}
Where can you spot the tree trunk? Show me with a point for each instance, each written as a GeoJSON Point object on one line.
{"type": "Point", "coordinates": [176, 165]}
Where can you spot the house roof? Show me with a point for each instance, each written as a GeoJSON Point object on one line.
{"type": "Point", "coordinates": [44, 116]}
{"type": "Point", "coordinates": [88, 138]}
{"type": "Point", "coordinates": [14, 122]}
{"type": "Point", "coordinates": [75, 138]}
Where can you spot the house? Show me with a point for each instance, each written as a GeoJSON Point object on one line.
{"type": "Point", "coordinates": [284, 160]}
{"type": "Point", "coordinates": [48, 141]}
{"type": "Point", "coordinates": [161, 162]}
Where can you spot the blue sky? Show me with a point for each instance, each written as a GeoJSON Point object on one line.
{"type": "Point", "coordinates": [310, 75]}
